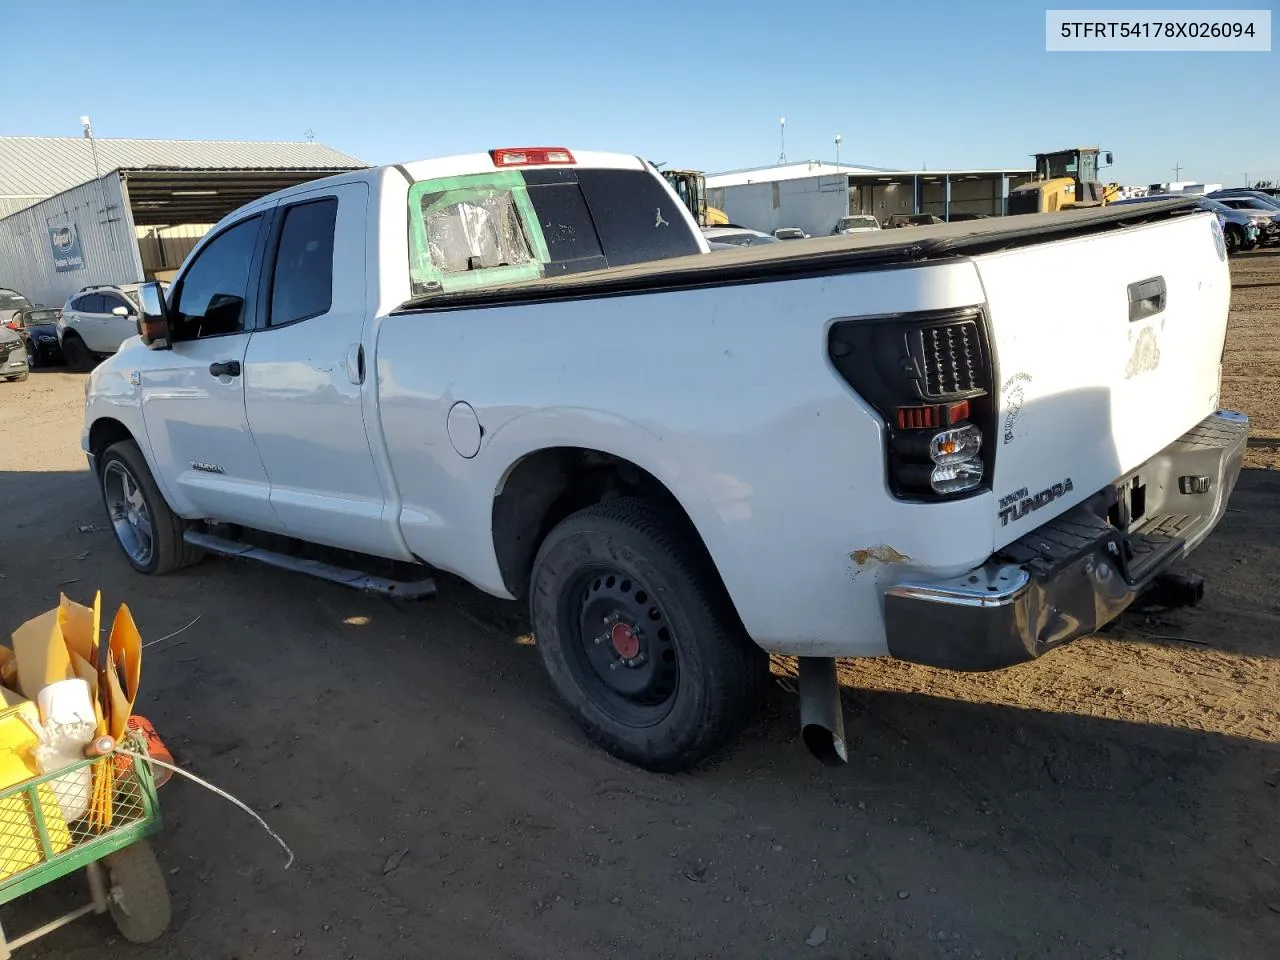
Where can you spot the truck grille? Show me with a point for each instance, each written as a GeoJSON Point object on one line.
{"type": "Point", "coordinates": [949, 357]}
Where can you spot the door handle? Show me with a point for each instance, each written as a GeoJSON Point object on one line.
{"type": "Point", "coordinates": [1147, 298]}
{"type": "Point", "coordinates": [225, 368]}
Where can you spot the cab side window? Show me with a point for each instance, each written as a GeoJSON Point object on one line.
{"type": "Point", "coordinates": [302, 286]}
{"type": "Point", "coordinates": [210, 298]}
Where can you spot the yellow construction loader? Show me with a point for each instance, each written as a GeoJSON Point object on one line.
{"type": "Point", "coordinates": [691, 187]}
{"type": "Point", "coordinates": [1064, 179]}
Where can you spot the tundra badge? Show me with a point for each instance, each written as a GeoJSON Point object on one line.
{"type": "Point", "coordinates": [1018, 504]}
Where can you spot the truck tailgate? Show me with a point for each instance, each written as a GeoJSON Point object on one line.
{"type": "Point", "coordinates": [1108, 348]}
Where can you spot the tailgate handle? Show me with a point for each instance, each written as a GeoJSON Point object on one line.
{"type": "Point", "coordinates": [1146, 298]}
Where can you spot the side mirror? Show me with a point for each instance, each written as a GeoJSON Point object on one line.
{"type": "Point", "coordinates": [120, 312]}
{"type": "Point", "coordinates": [1109, 160]}
{"type": "Point", "coordinates": [153, 322]}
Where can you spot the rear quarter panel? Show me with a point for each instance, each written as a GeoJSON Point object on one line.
{"type": "Point", "coordinates": [726, 396]}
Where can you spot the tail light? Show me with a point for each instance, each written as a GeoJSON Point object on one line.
{"type": "Point", "coordinates": [530, 156]}
{"type": "Point", "coordinates": [930, 377]}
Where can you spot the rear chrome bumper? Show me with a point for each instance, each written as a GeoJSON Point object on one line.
{"type": "Point", "coordinates": [1077, 572]}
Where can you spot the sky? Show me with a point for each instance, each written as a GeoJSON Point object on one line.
{"type": "Point", "coordinates": [906, 84]}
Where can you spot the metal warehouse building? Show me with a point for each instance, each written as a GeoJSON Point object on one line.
{"type": "Point", "coordinates": [76, 211]}
{"type": "Point", "coordinates": [813, 195]}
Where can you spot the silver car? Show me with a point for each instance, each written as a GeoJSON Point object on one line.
{"type": "Point", "coordinates": [96, 321]}
{"type": "Point", "coordinates": [859, 223]}
{"type": "Point", "coordinates": [11, 302]}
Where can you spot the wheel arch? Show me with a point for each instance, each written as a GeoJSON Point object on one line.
{"type": "Point", "coordinates": [104, 432]}
{"type": "Point", "coordinates": [544, 485]}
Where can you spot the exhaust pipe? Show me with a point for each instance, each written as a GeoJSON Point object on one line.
{"type": "Point", "coordinates": [821, 716]}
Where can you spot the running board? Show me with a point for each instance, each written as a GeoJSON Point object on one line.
{"type": "Point", "coordinates": [356, 579]}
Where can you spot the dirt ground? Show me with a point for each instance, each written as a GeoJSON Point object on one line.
{"type": "Point", "coordinates": [1118, 798]}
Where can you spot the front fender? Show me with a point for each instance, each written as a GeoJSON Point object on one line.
{"type": "Point", "coordinates": [112, 394]}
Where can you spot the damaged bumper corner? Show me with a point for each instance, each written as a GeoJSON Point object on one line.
{"type": "Point", "coordinates": [1077, 572]}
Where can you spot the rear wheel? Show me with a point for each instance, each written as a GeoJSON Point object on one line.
{"type": "Point", "coordinates": [149, 533]}
{"type": "Point", "coordinates": [76, 353]}
{"type": "Point", "coordinates": [639, 637]}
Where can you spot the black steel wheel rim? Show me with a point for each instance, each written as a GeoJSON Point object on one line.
{"type": "Point", "coordinates": [620, 646]}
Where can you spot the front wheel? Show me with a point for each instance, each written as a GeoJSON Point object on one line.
{"type": "Point", "coordinates": [77, 354]}
{"type": "Point", "coordinates": [149, 533]}
{"type": "Point", "coordinates": [33, 356]}
{"type": "Point", "coordinates": [1234, 238]}
{"type": "Point", "coordinates": [640, 638]}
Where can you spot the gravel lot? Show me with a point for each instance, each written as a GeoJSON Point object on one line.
{"type": "Point", "coordinates": [1118, 798]}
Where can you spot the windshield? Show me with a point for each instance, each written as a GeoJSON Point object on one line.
{"type": "Point", "coordinates": [13, 301]}
{"type": "Point", "coordinates": [1252, 204]}
{"type": "Point", "coordinates": [849, 222]}
{"type": "Point", "coordinates": [1054, 165]}
{"type": "Point", "coordinates": [1267, 203]}
{"type": "Point", "coordinates": [132, 296]}
{"type": "Point", "coordinates": [40, 316]}
{"type": "Point", "coordinates": [1208, 203]}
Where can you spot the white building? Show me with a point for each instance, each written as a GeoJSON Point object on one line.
{"type": "Point", "coordinates": [77, 212]}
{"type": "Point", "coordinates": [1184, 186]}
{"type": "Point", "coordinates": [814, 194]}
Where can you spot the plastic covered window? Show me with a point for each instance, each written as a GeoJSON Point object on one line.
{"type": "Point", "coordinates": [473, 231]}
{"type": "Point", "coordinates": [477, 233]}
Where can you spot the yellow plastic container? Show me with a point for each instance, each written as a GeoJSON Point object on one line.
{"type": "Point", "coordinates": [19, 835]}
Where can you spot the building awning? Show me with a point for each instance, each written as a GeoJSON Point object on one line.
{"type": "Point", "coordinates": [160, 196]}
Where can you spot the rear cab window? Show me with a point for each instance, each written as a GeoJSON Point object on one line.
{"type": "Point", "coordinates": [493, 229]}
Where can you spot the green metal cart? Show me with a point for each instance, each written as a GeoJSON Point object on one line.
{"type": "Point", "coordinates": [44, 835]}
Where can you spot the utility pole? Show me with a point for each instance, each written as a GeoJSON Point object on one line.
{"type": "Point", "coordinates": [97, 174]}
{"type": "Point", "coordinates": [838, 140]}
{"type": "Point", "coordinates": [782, 126]}
{"type": "Point", "coordinates": [1177, 172]}
{"type": "Point", "coordinates": [88, 132]}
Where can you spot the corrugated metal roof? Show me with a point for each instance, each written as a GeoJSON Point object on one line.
{"type": "Point", "coordinates": [42, 166]}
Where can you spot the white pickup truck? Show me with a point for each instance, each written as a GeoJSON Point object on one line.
{"type": "Point", "coordinates": [961, 445]}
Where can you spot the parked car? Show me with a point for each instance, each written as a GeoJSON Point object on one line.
{"type": "Point", "coordinates": [1264, 210]}
{"type": "Point", "coordinates": [1241, 229]}
{"type": "Point", "coordinates": [958, 217]}
{"type": "Point", "coordinates": [911, 220]}
{"type": "Point", "coordinates": [11, 301]}
{"type": "Point", "coordinates": [736, 237]}
{"type": "Point", "coordinates": [1263, 199]}
{"type": "Point", "coordinates": [38, 328]}
{"type": "Point", "coordinates": [790, 233]}
{"type": "Point", "coordinates": [858, 223]}
{"type": "Point", "coordinates": [835, 457]}
{"type": "Point", "coordinates": [95, 321]}
{"type": "Point", "coordinates": [13, 355]}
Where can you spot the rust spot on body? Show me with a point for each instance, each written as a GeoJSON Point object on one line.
{"type": "Point", "coordinates": [880, 553]}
